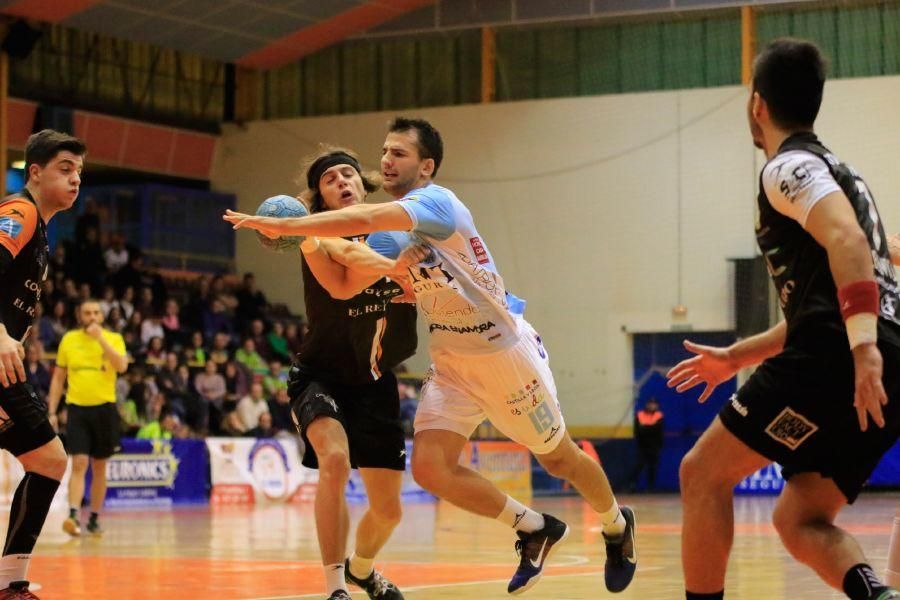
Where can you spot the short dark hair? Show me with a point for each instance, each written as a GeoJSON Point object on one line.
{"type": "Point", "coordinates": [790, 76]}
{"type": "Point", "coordinates": [43, 146]}
{"type": "Point", "coordinates": [429, 143]}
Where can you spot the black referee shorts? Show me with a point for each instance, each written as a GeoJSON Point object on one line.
{"type": "Point", "coordinates": [23, 420]}
{"type": "Point", "coordinates": [93, 430]}
{"type": "Point", "coordinates": [797, 410]}
{"type": "Point", "coordinates": [369, 413]}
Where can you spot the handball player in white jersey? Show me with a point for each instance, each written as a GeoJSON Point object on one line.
{"type": "Point", "coordinates": [488, 362]}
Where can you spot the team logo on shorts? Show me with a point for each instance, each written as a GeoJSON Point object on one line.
{"type": "Point", "coordinates": [791, 428]}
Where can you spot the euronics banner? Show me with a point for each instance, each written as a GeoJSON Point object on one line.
{"type": "Point", "coordinates": [248, 471]}
{"type": "Point", "coordinates": [157, 473]}
{"type": "Point", "coordinates": [767, 480]}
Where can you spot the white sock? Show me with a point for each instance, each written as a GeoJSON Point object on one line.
{"type": "Point", "coordinates": [13, 567]}
{"type": "Point", "coordinates": [613, 521]}
{"type": "Point", "coordinates": [334, 578]}
{"type": "Point", "coordinates": [520, 517]}
{"type": "Point", "coordinates": [361, 567]}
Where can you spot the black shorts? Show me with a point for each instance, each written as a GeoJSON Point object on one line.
{"type": "Point", "coordinates": [23, 420]}
{"type": "Point", "coordinates": [797, 410]}
{"type": "Point", "coordinates": [369, 413]}
{"type": "Point", "coordinates": [93, 430]}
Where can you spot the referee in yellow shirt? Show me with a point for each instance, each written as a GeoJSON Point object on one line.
{"type": "Point", "coordinates": [91, 357]}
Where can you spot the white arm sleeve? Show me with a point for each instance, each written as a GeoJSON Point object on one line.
{"type": "Point", "coordinates": [795, 181]}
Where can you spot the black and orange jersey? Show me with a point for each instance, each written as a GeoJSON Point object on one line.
{"type": "Point", "coordinates": [24, 235]}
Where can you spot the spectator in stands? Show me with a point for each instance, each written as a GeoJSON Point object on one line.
{"type": "Point", "coordinates": [107, 300]}
{"type": "Point", "coordinates": [278, 344]}
{"type": "Point", "coordinates": [236, 384]}
{"type": "Point", "coordinates": [258, 334]}
{"type": "Point", "coordinates": [58, 261]}
{"type": "Point", "coordinates": [171, 324]}
{"type": "Point", "coordinates": [151, 328]}
{"type": "Point", "coordinates": [250, 358]}
{"type": "Point", "coordinates": [155, 355]}
{"type": "Point", "coordinates": [87, 262]}
{"type": "Point", "coordinates": [196, 352]}
{"type": "Point", "coordinates": [275, 379]}
{"type": "Point", "coordinates": [84, 293]}
{"type": "Point", "coordinates": [168, 425]}
{"type": "Point", "coordinates": [280, 408]}
{"type": "Point", "coordinates": [648, 433]}
{"type": "Point", "coordinates": [88, 219]}
{"type": "Point", "coordinates": [220, 354]}
{"type": "Point", "coordinates": [294, 337]}
{"type": "Point", "coordinates": [197, 304]}
{"type": "Point", "coordinates": [132, 344]}
{"type": "Point", "coordinates": [251, 407]}
{"type": "Point", "coordinates": [218, 290]}
{"type": "Point", "coordinates": [114, 320]}
{"type": "Point", "coordinates": [215, 320]}
{"type": "Point", "coordinates": [263, 428]}
{"type": "Point", "coordinates": [130, 274]}
{"type": "Point", "coordinates": [210, 386]}
{"type": "Point", "coordinates": [170, 380]}
{"type": "Point", "coordinates": [126, 302]}
{"type": "Point", "coordinates": [49, 295]}
{"type": "Point", "coordinates": [116, 256]}
{"type": "Point", "coordinates": [252, 303]}
{"type": "Point", "coordinates": [146, 303]}
{"type": "Point", "coordinates": [36, 371]}
{"type": "Point", "coordinates": [55, 326]}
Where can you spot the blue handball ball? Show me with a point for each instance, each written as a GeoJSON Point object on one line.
{"type": "Point", "coordinates": [281, 207]}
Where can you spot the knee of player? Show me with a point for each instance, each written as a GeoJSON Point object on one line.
{"type": "Point", "coordinates": [334, 465]}
{"type": "Point", "coordinates": [429, 474]}
{"type": "Point", "coordinates": [51, 462]}
{"type": "Point", "coordinates": [388, 513]}
{"type": "Point", "coordinates": [691, 471]}
{"type": "Point", "coordinates": [561, 467]}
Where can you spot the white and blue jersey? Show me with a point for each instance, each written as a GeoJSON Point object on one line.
{"type": "Point", "coordinates": [458, 288]}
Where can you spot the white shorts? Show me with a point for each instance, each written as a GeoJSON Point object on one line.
{"type": "Point", "coordinates": [514, 388]}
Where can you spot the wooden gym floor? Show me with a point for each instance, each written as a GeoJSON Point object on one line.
{"type": "Point", "coordinates": [438, 552]}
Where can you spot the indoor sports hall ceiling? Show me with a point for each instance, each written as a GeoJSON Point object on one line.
{"type": "Point", "coordinates": [269, 33]}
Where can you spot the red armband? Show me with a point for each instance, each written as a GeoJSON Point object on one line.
{"type": "Point", "coordinates": [858, 297]}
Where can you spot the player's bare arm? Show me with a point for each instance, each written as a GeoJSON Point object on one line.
{"type": "Point", "coordinates": [353, 220]}
{"type": "Point", "coordinates": [713, 366]}
{"type": "Point", "coordinates": [833, 224]}
{"type": "Point", "coordinates": [894, 246]}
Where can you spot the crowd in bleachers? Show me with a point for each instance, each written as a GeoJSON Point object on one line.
{"type": "Point", "coordinates": [208, 354]}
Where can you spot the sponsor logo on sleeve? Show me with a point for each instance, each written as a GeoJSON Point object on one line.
{"type": "Point", "coordinates": [481, 254]}
{"type": "Point", "coordinates": [10, 226]}
{"type": "Point", "coordinates": [795, 182]}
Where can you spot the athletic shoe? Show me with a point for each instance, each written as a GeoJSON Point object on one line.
{"type": "Point", "coordinates": [339, 595]}
{"type": "Point", "coordinates": [621, 558]}
{"type": "Point", "coordinates": [72, 526]}
{"type": "Point", "coordinates": [534, 549]}
{"type": "Point", "coordinates": [17, 590]}
{"type": "Point", "coordinates": [888, 594]}
{"type": "Point", "coordinates": [375, 585]}
{"type": "Point", "coordinates": [93, 528]}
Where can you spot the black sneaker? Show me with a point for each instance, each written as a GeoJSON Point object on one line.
{"type": "Point", "coordinates": [534, 549]}
{"type": "Point", "coordinates": [375, 585]}
{"type": "Point", "coordinates": [621, 558]}
{"type": "Point", "coordinates": [339, 595]}
{"type": "Point", "coordinates": [17, 590]}
{"type": "Point", "coordinates": [93, 528]}
{"type": "Point", "coordinates": [888, 594]}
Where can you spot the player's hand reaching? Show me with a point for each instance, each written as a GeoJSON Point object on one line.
{"type": "Point", "coordinates": [408, 296]}
{"type": "Point", "coordinates": [11, 354]}
{"type": "Point", "coordinates": [710, 366]}
{"type": "Point", "coordinates": [411, 255]}
{"type": "Point", "coordinates": [869, 396]}
{"type": "Point", "coordinates": [894, 247]}
{"type": "Point", "coordinates": [268, 226]}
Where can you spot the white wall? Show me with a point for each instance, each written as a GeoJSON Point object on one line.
{"type": "Point", "coordinates": [579, 199]}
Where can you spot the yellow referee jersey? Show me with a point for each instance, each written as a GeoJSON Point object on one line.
{"type": "Point", "coordinates": [92, 379]}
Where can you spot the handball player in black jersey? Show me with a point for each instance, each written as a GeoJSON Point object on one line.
{"type": "Point", "coordinates": [53, 176]}
{"type": "Point", "coordinates": [343, 394]}
{"type": "Point", "coordinates": [825, 400]}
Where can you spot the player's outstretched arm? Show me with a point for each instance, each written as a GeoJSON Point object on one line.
{"type": "Point", "coordinates": [327, 259]}
{"type": "Point", "coordinates": [353, 220]}
{"type": "Point", "coordinates": [713, 366]}
{"type": "Point", "coordinates": [833, 224]}
{"type": "Point", "coordinates": [894, 245]}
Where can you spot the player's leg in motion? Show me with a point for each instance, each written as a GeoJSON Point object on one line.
{"type": "Point", "coordinates": [383, 489]}
{"type": "Point", "coordinates": [568, 461]}
{"type": "Point", "coordinates": [709, 472]}
{"type": "Point", "coordinates": [329, 440]}
{"type": "Point", "coordinates": [98, 494]}
{"type": "Point", "coordinates": [72, 525]}
{"type": "Point", "coordinates": [892, 575]}
{"type": "Point", "coordinates": [44, 468]}
{"type": "Point", "coordinates": [804, 518]}
{"type": "Point", "coordinates": [435, 466]}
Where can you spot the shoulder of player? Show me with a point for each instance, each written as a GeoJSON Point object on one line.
{"type": "Point", "coordinates": [788, 172]}
{"type": "Point", "coordinates": [786, 162]}
{"type": "Point", "coordinates": [21, 210]}
{"type": "Point", "coordinates": [431, 192]}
